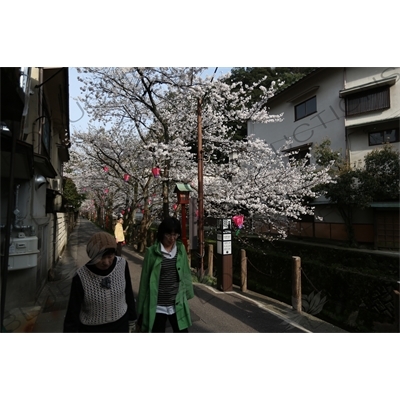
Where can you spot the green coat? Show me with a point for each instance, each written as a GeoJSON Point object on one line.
{"type": "Point", "coordinates": [148, 288]}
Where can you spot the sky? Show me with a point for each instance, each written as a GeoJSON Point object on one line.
{"type": "Point", "coordinates": [79, 119]}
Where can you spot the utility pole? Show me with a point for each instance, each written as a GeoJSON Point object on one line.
{"type": "Point", "coordinates": [200, 190]}
{"type": "Point", "coordinates": [200, 167]}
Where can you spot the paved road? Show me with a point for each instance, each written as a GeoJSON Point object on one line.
{"type": "Point", "coordinates": [212, 311]}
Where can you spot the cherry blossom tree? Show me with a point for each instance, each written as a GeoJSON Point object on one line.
{"type": "Point", "coordinates": [149, 118]}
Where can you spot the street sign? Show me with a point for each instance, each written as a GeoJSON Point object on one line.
{"type": "Point", "coordinates": [225, 237]}
{"type": "Point", "coordinates": [224, 224]}
{"type": "Point", "coordinates": [224, 254]}
{"type": "Point", "coordinates": [227, 248]}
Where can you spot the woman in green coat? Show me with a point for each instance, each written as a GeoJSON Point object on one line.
{"type": "Point", "coordinates": [165, 283]}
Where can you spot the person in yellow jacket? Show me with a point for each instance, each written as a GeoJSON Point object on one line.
{"type": "Point", "coordinates": [119, 234]}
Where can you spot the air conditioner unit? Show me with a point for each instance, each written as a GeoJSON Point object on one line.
{"type": "Point", "coordinates": [56, 184]}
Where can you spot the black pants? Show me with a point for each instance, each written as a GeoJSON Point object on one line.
{"type": "Point", "coordinates": [161, 321]}
{"type": "Point", "coordinates": [119, 249]}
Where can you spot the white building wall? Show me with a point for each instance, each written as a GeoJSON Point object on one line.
{"type": "Point", "coordinates": [62, 233]}
{"type": "Point", "coordinates": [362, 76]}
{"type": "Point", "coordinates": [360, 125]}
{"type": "Point", "coordinates": [327, 122]}
{"type": "Point", "coordinates": [58, 237]}
{"type": "Point", "coordinates": [347, 135]}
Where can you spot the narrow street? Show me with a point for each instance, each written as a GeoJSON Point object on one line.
{"type": "Point", "coordinates": [212, 311]}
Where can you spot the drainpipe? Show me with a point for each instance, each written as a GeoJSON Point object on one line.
{"type": "Point", "coordinates": [346, 131]}
{"type": "Point", "coordinates": [347, 146]}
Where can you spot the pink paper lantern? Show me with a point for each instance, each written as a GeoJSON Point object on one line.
{"type": "Point", "coordinates": [126, 177]}
{"type": "Point", "coordinates": [105, 169]}
{"type": "Point", "coordinates": [156, 172]}
{"type": "Point", "coordinates": [238, 221]}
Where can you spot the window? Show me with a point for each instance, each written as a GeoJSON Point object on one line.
{"type": "Point", "coordinates": [385, 136]}
{"type": "Point", "coordinates": [23, 80]}
{"type": "Point", "coordinates": [302, 152]}
{"type": "Point", "coordinates": [305, 108]}
{"type": "Point", "coordinates": [372, 100]}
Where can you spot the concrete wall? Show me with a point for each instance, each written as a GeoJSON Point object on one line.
{"type": "Point", "coordinates": [23, 286]}
{"type": "Point", "coordinates": [61, 234]}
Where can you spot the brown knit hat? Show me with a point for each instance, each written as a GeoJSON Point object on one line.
{"type": "Point", "coordinates": [98, 244]}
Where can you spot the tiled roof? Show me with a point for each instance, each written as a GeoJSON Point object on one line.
{"type": "Point", "coordinates": [279, 92]}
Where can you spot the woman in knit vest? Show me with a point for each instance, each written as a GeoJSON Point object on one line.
{"type": "Point", "coordinates": [101, 298]}
{"type": "Point", "coordinates": [165, 282]}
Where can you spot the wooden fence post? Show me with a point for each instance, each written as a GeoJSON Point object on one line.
{"type": "Point", "coordinates": [396, 299]}
{"type": "Point", "coordinates": [243, 271]}
{"type": "Point", "coordinates": [188, 252]}
{"type": "Point", "coordinates": [210, 260]}
{"type": "Point", "coordinates": [296, 283]}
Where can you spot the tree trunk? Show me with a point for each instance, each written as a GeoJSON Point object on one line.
{"type": "Point", "coordinates": [165, 193]}
{"type": "Point", "coordinates": [347, 216]}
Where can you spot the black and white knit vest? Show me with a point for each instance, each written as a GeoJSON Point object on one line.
{"type": "Point", "coordinates": [100, 304]}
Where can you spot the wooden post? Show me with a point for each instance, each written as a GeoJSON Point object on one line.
{"type": "Point", "coordinates": [183, 229]}
{"type": "Point", "coordinates": [188, 252]}
{"type": "Point", "coordinates": [200, 192]}
{"type": "Point", "coordinates": [396, 299]}
{"type": "Point", "coordinates": [210, 260]}
{"type": "Point", "coordinates": [296, 283]}
{"type": "Point", "coordinates": [243, 271]}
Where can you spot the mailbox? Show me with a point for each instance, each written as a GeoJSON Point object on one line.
{"type": "Point", "coordinates": [182, 190]}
